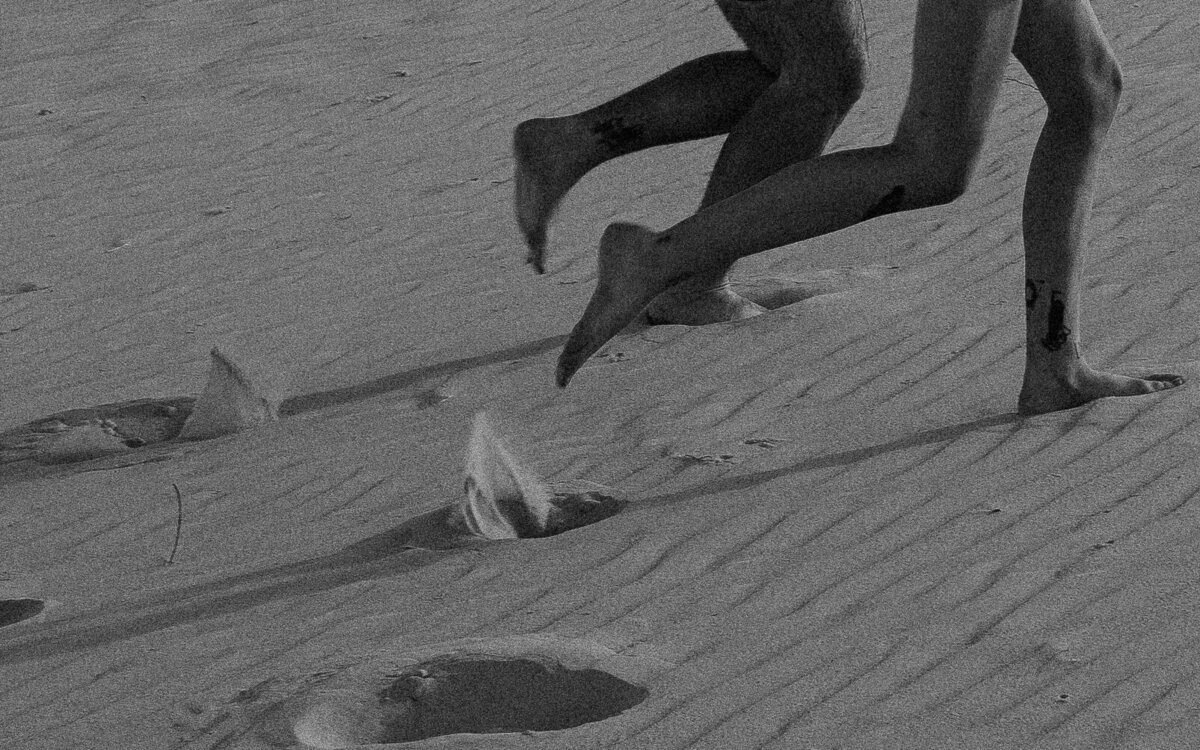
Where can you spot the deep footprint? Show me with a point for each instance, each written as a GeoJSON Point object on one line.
{"type": "Point", "coordinates": [503, 500]}
{"type": "Point", "coordinates": [482, 695]}
{"type": "Point", "coordinates": [13, 611]}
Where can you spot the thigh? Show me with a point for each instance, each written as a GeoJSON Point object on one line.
{"type": "Point", "coordinates": [960, 50]}
{"type": "Point", "coordinates": [803, 40]}
{"type": "Point", "coordinates": [1061, 45]}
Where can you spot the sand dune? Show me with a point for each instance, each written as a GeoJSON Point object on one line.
{"type": "Point", "coordinates": [838, 531]}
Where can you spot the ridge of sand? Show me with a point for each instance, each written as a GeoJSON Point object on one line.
{"type": "Point", "coordinates": [839, 533]}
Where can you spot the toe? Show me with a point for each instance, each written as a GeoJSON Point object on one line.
{"type": "Point", "coordinates": [576, 351]}
{"type": "Point", "coordinates": [565, 370]}
{"type": "Point", "coordinates": [535, 240]}
{"type": "Point", "coordinates": [1162, 381]}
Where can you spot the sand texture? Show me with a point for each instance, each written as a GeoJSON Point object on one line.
{"type": "Point", "coordinates": [838, 534]}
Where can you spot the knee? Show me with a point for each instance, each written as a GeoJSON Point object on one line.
{"type": "Point", "coordinates": [1091, 103]}
{"type": "Point", "coordinates": [939, 170]}
{"type": "Point", "coordinates": [1103, 93]}
{"type": "Point", "coordinates": [834, 74]}
{"type": "Point", "coordinates": [851, 83]}
{"type": "Point", "coordinates": [843, 84]}
{"type": "Point", "coordinates": [948, 180]}
{"type": "Point", "coordinates": [828, 97]}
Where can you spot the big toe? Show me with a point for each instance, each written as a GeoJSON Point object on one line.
{"type": "Point", "coordinates": [536, 257]}
{"type": "Point", "coordinates": [569, 361]}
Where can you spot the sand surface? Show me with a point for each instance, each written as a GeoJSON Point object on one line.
{"type": "Point", "coordinates": [840, 535]}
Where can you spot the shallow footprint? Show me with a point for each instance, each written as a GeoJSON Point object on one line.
{"type": "Point", "coordinates": [230, 403]}
{"type": "Point", "coordinates": [95, 432]}
{"type": "Point", "coordinates": [774, 292]}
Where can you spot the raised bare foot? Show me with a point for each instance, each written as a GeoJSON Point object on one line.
{"type": "Point", "coordinates": [1048, 388]}
{"type": "Point", "coordinates": [689, 304]}
{"type": "Point", "coordinates": [627, 280]}
{"type": "Point", "coordinates": [550, 158]}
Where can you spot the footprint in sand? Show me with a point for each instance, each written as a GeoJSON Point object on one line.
{"type": "Point", "coordinates": [519, 685]}
{"type": "Point", "coordinates": [773, 292]}
{"type": "Point", "coordinates": [504, 500]}
{"type": "Point", "coordinates": [13, 611]}
{"type": "Point", "coordinates": [230, 403]}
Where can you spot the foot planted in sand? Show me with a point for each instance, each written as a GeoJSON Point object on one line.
{"type": "Point", "coordinates": [1067, 382]}
{"type": "Point", "coordinates": [691, 303]}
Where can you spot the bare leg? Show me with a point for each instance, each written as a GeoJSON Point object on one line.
{"type": "Point", "coordinates": [819, 47]}
{"type": "Point", "coordinates": [787, 124]}
{"type": "Point", "coordinates": [959, 53]}
{"type": "Point", "coordinates": [1062, 47]}
{"type": "Point", "coordinates": [699, 99]}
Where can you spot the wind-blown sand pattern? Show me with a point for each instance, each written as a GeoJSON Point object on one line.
{"type": "Point", "coordinates": [839, 533]}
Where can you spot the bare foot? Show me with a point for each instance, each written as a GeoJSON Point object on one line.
{"type": "Point", "coordinates": [688, 304]}
{"type": "Point", "coordinates": [1047, 388]}
{"type": "Point", "coordinates": [550, 158]}
{"type": "Point", "coordinates": [628, 279]}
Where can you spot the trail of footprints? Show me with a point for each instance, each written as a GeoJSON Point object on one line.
{"type": "Point", "coordinates": [481, 691]}
{"type": "Point", "coordinates": [522, 684]}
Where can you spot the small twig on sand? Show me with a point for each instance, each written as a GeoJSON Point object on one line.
{"type": "Point", "coordinates": [178, 523]}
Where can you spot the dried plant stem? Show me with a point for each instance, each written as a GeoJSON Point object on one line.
{"type": "Point", "coordinates": [178, 523]}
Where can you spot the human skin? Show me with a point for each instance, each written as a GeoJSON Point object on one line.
{"type": "Point", "coordinates": [959, 52]}
{"type": "Point", "coordinates": [779, 102]}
